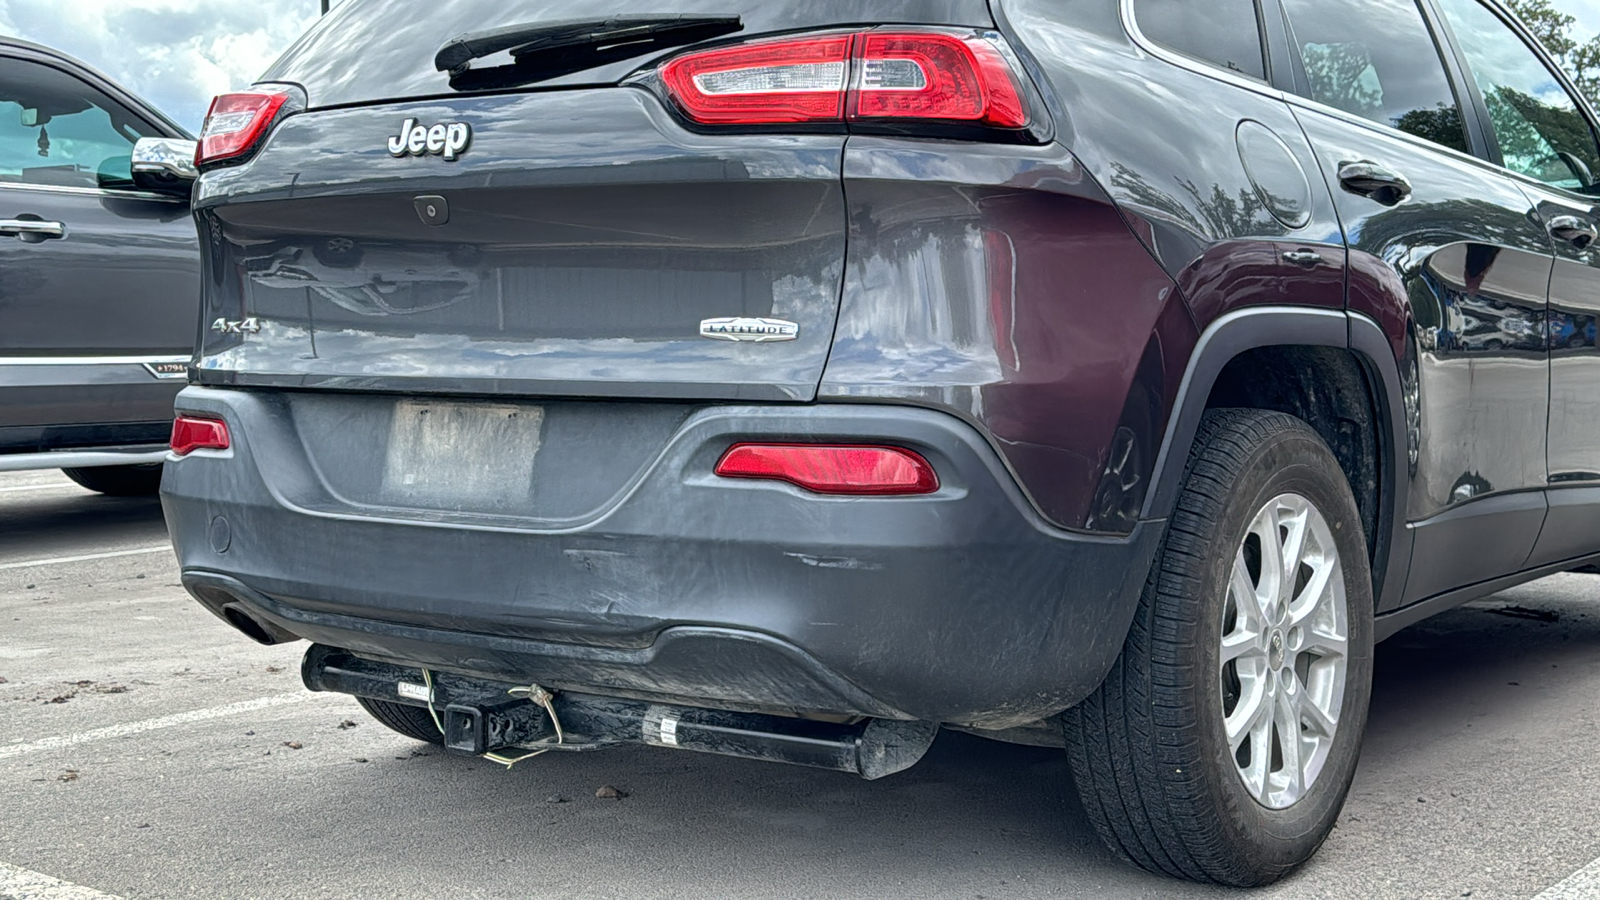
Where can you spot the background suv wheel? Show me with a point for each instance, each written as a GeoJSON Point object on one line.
{"type": "Point", "coordinates": [1223, 743]}
{"type": "Point", "coordinates": [411, 721]}
{"type": "Point", "coordinates": [119, 481]}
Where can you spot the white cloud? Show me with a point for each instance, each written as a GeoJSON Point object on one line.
{"type": "Point", "coordinates": [177, 54]}
{"type": "Point", "coordinates": [1587, 12]}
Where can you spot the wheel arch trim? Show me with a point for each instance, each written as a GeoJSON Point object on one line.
{"type": "Point", "coordinates": [1261, 327]}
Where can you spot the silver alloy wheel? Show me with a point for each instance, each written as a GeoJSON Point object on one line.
{"type": "Point", "coordinates": [1284, 651]}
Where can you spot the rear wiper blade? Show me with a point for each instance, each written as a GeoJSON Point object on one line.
{"type": "Point", "coordinates": [551, 49]}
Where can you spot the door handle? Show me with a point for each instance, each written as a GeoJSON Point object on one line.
{"type": "Point", "coordinates": [1575, 230]}
{"type": "Point", "coordinates": [1368, 179]}
{"type": "Point", "coordinates": [1306, 259]}
{"type": "Point", "coordinates": [33, 230]}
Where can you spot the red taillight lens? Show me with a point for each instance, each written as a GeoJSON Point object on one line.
{"type": "Point", "coordinates": [865, 77]}
{"type": "Point", "coordinates": [191, 433]}
{"type": "Point", "coordinates": [235, 123]}
{"type": "Point", "coordinates": [833, 469]}
{"type": "Point", "coordinates": [935, 76]}
{"type": "Point", "coordinates": [764, 83]}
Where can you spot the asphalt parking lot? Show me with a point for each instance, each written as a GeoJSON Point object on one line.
{"type": "Point", "coordinates": [147, 750]}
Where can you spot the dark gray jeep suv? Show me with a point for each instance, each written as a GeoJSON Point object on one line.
{"type": "Point", "coordinates": [791, 380]}
{"type": "Point", "coordinates": [99, 273]}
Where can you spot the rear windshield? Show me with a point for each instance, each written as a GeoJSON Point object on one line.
{"type": "Point", "coordinates": [370, 51]}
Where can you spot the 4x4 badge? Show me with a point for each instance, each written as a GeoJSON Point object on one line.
{"type": "Point", "coordinates": [247, 326]}
{"type": "Point", "coordinates": [448, 140]}
{"type": "Point", "coordinates": [759, 331]}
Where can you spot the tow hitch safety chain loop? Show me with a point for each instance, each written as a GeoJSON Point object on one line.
{"type": "Point", "coordinates": [533, 692]}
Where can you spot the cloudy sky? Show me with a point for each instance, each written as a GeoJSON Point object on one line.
{"type": "Point", "coordinates": [177, 54]}
{"type": "Point", "coordinates": [180, 53]}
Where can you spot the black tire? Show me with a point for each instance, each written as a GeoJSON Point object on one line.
{"type": "Point", "coordinates": [1148, 750]}
{"type": "Point", "coordinates": [119, 481]}
{"type": "Point", "coordinates": [412, 721]}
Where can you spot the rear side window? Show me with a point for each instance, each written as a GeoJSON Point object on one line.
{"type": "Point", "coordinates": [1224, 33]}
{"type": "Point", "coordinates": [1376, 59]}
{"type": "Point", "coordinates": [1541, 132]}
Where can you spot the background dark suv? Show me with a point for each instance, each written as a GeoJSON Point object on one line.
{"type": "Point", "coordinates": [99, 273]}
{"type": "Point", "coordinates": [789, 380]}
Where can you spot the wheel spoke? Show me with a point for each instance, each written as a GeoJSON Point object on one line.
{"type": "Point", "coordinates": [1245, 598]}
{"type": "Point", "coordinates": [1255, 777]}
{"type": "Point", "coordinates": [1316, 592]}
{"type": "Point", "coordinates": [1287, 717]}
{"type": "Point", "coordinates": [1325, 645]}
{"type": "Point", "coordinates": [1321, 724]}
{"type": "Point", "coordinates": [1243, 643]}
{"type": "Point", "coordinates": [1271, 585]}
{"type": "Point", "coordinates": [1294, 545]}
{"type": "Point", "coordinates": [1252, 714]}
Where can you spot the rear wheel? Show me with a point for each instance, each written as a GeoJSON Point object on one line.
{"type": "Point", "coordinates": [413, 722]}
{"type": "Point", "coordinates": [119, 481]}
{"type": "Point", "coordinates": [1223, 743]}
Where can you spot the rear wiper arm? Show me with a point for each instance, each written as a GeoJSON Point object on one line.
{"type": "Point", "coordinates": [552, 49]}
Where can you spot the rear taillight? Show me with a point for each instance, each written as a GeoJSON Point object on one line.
{"type": "Point", "coordinates": [191, 433]}
{"type": "Point", "coordinates": [236, 123]}
{"type": "Point", "coordinates": [764, 83]}
{"type": "Point", "coordinates": [829, 469]}
{"type": "Point", "coordinates": [935, 76]}
{"type": "Point", "coordinates": [866, 77]}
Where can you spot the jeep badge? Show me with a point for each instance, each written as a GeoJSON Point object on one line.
{"type": "Point", "coordinates": [447, 140]}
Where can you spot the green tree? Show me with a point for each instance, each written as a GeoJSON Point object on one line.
{"type": "Point", "coordinates": [1554, 28]}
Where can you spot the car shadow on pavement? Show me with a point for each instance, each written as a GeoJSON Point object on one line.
{"type": "Point", "coordinates": [1490, 659]}
{"type": "Point", "coordinates": [975, 818]}
{"type": "Point", "coordinates": [67, 522]}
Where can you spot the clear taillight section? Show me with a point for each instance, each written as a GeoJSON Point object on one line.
{"type": "Point", "coordinates": [771, 82]}
{"type": "Point", "coordinates": [191, 433]}
{"type": "Point", "coordinates": [833, 469]}
{"type": "Point", "coordinates": [869, 76]}
{"type": "Point", "coordinates": [236, 123]}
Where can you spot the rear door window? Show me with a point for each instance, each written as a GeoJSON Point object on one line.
{"type": "Point", "coordinates": [1376, 59]}
{"type": "Point", "coordinates": [1541, 132]}
{"type": "Point", "coordinates": [58, 130]}
{"type": "Point", "coordinates": [1224, 33]}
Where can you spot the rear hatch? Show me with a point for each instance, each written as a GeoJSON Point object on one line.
{"type": "Point", "coordinates": [584, 241]}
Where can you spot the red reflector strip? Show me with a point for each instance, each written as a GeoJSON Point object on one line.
{"type": "Point", "coordinates": [236, 122]}
{"type": "Point", "coordinates": [872, 471]}
{"type": "Point", "coordinates": [191, 433]}
{"type": "Point", "coordinates": [764, 82]}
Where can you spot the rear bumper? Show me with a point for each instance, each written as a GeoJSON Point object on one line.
{"type": "Point", "coordinates": [961, 606]}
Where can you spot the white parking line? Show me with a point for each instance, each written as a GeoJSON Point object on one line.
{"type": "Point", "coordinates": [40, 487]}
{"type": "Point", "coordinates": [57, 560]}
{"type": "Point", "coordinates": [117, 731]}
{"type": "Point", "coordinates": [21, 884]}
{"type": "Point", "coordinates": [1583, 884]}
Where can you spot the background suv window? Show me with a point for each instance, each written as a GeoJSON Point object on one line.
{"type": "Point", "coordinates": [1375, 59]}
{"type": "Point", "coordinates": [57, 130]}
{"type": "Point", "coordinates": [1225, 33]}
{"type": "Point", "coordinates": [1541, 132]}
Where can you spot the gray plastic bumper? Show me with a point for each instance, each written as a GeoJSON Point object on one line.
{"type": "Point", "coordinates": [961, 606]}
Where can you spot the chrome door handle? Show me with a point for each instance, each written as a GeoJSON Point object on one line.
{"type": "Point", "coordinates": [1306, 259]}
{"type": "Point", "coordinates": [1575, 230]}
{"type": "Point", "coordinates": [1368, 179]}
{"type": "Point", "coordinates": [38, 229]}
